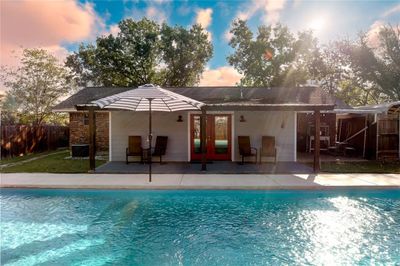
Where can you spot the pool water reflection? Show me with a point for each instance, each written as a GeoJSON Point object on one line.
{"type": "Point", "coordinates": [67, 227]}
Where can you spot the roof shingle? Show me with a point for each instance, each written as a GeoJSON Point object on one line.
{"type": "Point", "coordinates": [219, 96]}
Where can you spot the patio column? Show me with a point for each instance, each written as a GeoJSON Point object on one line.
{"type": "Point", "coordinates": [203, 136]}
{"type": "Point", "coordinates": [92, 139]}
{"type": "Point", "coordinates": [317, 143]}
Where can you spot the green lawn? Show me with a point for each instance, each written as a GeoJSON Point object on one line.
{"type": "Point", "coordinates": [53, 163]}
{"type": "Point", "coordinates": [361, 167]}
{"type": "Point", "coordinates": [26, 157]}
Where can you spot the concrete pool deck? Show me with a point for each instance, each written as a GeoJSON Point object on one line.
{"type": "Point", "coordinates": [199, 181]}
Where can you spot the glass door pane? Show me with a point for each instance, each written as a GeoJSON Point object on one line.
{"type": "Point", "coordinates": [221, 134]}
{"type": "Point", "coordinates": [196, 134]}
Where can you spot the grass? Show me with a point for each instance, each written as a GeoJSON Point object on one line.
{"type": "Point", "coordinates": [53, 163]}
{"type": "Point", "coordinates": [25, 157]}
{"type": "Point", "coordinates": [361, 167]}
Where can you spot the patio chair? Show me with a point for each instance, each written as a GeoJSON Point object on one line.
{"type": "Point", "coordinates": [134, 148]}
{"type": "Point", "coordinates": [161, 147]}
{"type": "Point", "coordinates": [268, 148]}
{"type": "Point", "coordinates": [245, 149]}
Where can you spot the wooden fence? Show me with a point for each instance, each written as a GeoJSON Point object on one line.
{"type": "Point", "coordinates": [23, 139]}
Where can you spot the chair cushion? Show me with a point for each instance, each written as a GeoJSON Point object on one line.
{"type": "Point", "coordinates": [135, 145]}
{"type": "Point", "coordinates": [161, 145]}
{"type": "Point", "coordinates": [268, 146]}
{"type": "Point", "coordinates": [244, 145]}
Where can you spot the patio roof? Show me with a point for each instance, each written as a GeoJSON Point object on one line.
{"type": "Point", "coordinates": [224, 98]}
{"type": "Point", "coordinates": [391, 107]}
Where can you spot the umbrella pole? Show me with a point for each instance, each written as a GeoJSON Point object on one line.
{"type": "Point", "coordinates": [150, 138]}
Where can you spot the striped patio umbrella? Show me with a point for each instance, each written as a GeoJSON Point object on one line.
{"type": "Point", "coordinates": [149, 98]}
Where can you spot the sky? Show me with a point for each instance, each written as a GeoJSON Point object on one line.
{"type": "Point", "coordinates": [60, 26]}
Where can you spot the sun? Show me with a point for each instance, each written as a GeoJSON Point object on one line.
{"type": "Point", "coordinates": [317, 24]}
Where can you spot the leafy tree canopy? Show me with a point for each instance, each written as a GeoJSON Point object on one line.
{"type": "Point", "coordinates": [357, 72]}
{"type": "Point", "coordinates": [35, 86]}
{"type": "Point", "coordinates": [143, 52]}
{"type": "Point", "coordinates": [377, 66]}
{"type": "Point", "coordinates": [274, 57]}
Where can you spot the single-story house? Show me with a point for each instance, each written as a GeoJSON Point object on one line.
{"type": "Point", "coordinates": [230, 112]}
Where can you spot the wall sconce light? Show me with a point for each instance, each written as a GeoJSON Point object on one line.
{"type": "Point", "coordinates": [242, 119]}
{"type": "Point", "coordinates": [179, 119]}
{"type": "Point", "coordinates": [283, 121]}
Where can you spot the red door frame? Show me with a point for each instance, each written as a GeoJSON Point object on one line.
{"type": "Point", "coordinates": [210, 136]}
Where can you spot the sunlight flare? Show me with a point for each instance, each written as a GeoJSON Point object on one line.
{"type": "Point", "coordinates": [317, 24]}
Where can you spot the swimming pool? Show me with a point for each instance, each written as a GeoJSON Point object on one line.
{"type": "Point", "coordinates": [70, 227]}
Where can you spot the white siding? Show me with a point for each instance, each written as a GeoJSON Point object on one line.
{"type": "Point", "coordinates": [125, 123]}
{"type": "Point", "coordinates": [280, 124]}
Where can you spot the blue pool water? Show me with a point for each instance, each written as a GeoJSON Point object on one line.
{"type": "Point", "coordinates": [66, 227]}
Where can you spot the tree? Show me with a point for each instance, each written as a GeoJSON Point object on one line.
{"type": "Point", "coordinates": [9, 110]}
{"type": "Point", "coordinates": [329, 67]}
{"type": "Point", "coordinates": [184, 53]}
{"type": "Point", "coordinates": [35, 86]}
{"type": "Point", "coordinates": [355, 95]}
{"type": "Point", "coordinates": [143, 52]}
{"type": "Point", "coordinates": [275, 57]}
{"type": "Point", "coordinates": [377, 67]}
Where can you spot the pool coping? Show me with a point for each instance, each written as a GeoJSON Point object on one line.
{"type": "Point", "coordinates": [200, 182]}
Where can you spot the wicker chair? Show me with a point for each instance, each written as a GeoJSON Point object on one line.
{"type": "Point", "coordinates": [268, 148]}
{"type": "Point", "coordinates": [134, 148]}
{"type": "Point", "coordinates": [245, 149]}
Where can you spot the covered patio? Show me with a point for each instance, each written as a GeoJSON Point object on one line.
{"type": "Point", "coordinates": [216, 167]}
{"type": "Point", "coordinates": [195, 137]}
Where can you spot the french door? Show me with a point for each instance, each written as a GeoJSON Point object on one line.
{"type": "Point", "coordinates": [218, 137]}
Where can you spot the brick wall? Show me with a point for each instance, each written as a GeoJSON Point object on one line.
{"type": "Point", "coordinates": [79, 130]}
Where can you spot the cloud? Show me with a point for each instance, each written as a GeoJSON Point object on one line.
{"type": "Point", "coordinates": [373, 33]}
{"type": "Point", "coordinates": [44, 24]}
{"type": "Point", "coordinates": [392, 11]}
{"type": "Point", "coordinates": [158, 13]}
{"type": "Point", "coordinates": [228, 35]}
{"type": "Point", "coordinates": [203, 17]}
{"type": "Point", "coordinates": [373, 40]}
{"type": "Point", "coordinates": [222, 76]}
{"type": "Point", "coordinates": [31, 23]}
{"type": "Point", "coordinates": [114, 29]}
{"type": "Point", "coordinates": [270, 9]}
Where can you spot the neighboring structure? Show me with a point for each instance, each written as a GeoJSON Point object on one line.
{"type": "Point", "coordinates": [230, 112]}
{"type": "Point", "coordinates": [305, 128]}
{"type": "Point", "coordinates": [373, 130]}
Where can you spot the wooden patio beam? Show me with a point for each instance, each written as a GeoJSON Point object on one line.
{"type": "Point", "coordinates": [92, 139]}
{"type": "Point", "coordinates": [203, 136]}
{"type": "Point", "coordinates": [317, 124]}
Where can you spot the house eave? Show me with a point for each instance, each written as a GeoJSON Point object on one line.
{"type": "Point", "coordinates": [64, 110]}
{"type": "Point", "coordinates": [268, 107]}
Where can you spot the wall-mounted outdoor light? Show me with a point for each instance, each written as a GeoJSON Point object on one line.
{"type": "Point", "coordinates": [242, 119]}
{"type": "Point", "coordinates": [179, 119]}
{"type": "Point", "coordinates": [283, 121]}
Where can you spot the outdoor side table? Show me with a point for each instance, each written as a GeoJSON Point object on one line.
{"type": "Point", "coordinates": [146, 155]}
